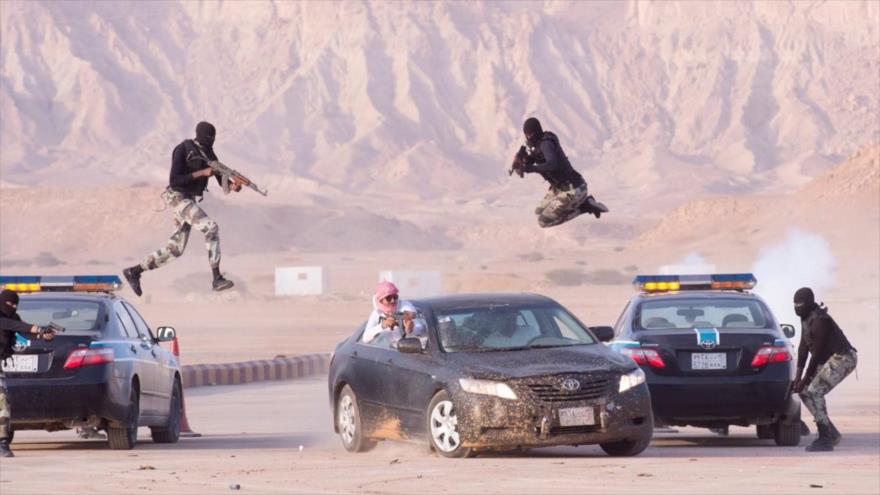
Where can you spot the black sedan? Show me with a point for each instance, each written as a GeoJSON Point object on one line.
{"type": "Point", "coordinates": [494, 372]}
{"type": "Point", "coordinates": [713, 353]}
{"type": "Point", "coordinates": [106, 370]}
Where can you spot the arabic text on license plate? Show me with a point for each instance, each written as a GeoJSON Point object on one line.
{"type": "Point", "coordinates": [25, 363]}
{"type": "Point", "coordinates": [709, 361]}
{"type": "Point", "coordinates": [577, 416]}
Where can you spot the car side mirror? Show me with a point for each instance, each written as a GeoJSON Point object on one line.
{"type": "Point", "coordinates": [604, 334]}
{"type": "Point", "coordinates": [165, 334]}
{"type": "Point", "coordinates": [409, 345]}
{"type": "Point", "coordinates": [788, 330]}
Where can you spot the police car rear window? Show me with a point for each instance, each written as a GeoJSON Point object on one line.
{"type": "Point", "coordinates": [681, 313]}
{"type": "Point", "coordinates": [77, 317]}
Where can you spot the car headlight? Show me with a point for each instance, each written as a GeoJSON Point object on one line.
{"type": "Point", "coordinates": [631, 379]}
{"type": "Point", "coordinates": [487, 387]}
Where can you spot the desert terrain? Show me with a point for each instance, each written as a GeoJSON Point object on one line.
{"type": "Point", "coordinates": [742, 135]}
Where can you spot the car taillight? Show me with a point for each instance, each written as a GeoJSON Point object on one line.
{"type": "Point", "coordinates": [643, 356]}
{"type": "Point", "coordinates": [88, 357]}
{"type": "Point", "coordinates": [770, 354]}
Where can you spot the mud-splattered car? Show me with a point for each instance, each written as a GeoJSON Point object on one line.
{"type": "Point", "coordinates": [497, 372]}
{"type": "Point", "coordinates": [713, 354]}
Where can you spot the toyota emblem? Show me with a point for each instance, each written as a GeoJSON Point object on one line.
{"type": "Point", "coordinates": [707, 344]}
{"type": "Point", "coordinates": [570, 384]}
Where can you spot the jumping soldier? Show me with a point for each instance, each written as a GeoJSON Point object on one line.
{"type": "Point", "coordinates": [567, 197]}
{"type": "Point", "coordinates": [187, 183]}
{"type": "Point", "coordinates": [832, 359]}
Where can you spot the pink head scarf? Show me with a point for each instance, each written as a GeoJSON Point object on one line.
{"type": "Point", "coordinates": [383, 290]}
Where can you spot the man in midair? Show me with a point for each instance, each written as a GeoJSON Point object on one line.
{"type": "Point", "coordinates": [187, 183]}
{"type": "Point", "coordinates": [567, 197]}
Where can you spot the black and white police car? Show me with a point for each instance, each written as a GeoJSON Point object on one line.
{"type": "Point", "coordinates": [713, 353]}
{"type": "Point", "coordinates": [106, 370]}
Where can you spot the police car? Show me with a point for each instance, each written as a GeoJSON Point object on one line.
{"type": "Point", "coordinates": [713, 354]}
{"type": "Point", "coordinates": [105, 370]}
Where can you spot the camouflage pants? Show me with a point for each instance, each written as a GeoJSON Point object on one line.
{"type": "Point", "coordinates": [838, 367]}
{"type": "Point", "coordinates": [187, 214]}
{"type": "Point", "coordinates": [560, 206]}
{"type": "Point", "coordinates": [5, 416]}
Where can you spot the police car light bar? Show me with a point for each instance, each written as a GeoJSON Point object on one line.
{"type": "Point", "coordinates": [667, 283]}
{"type": "Point", "coordinates": [76, 283]}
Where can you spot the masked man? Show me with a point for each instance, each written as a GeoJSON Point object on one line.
{"type": "Point", "coordinates": [187, 183]}
{"type": "Point", "coordinates": [832, 359]}
{"type": "Point", "coordinates": [10, 324]}
{"type": "Point", "coordinates": [567, 197]}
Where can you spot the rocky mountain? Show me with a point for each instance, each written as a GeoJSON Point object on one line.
{"type": "Point", "coordinates": [427, 98]}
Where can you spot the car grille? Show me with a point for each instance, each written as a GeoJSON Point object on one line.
{"type": "Point", "coordinates": [573, 430]}
{"type": "Point", "coordinates": [551, 390]}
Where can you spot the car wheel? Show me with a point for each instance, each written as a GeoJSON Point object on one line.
{"type": "Point", "coordinates": [626, 448]}
{"type": "Point", "coordinates": [443, 432]}
{"type": "Point", "coordinates": [787, 434]}
{"type": "Point", "coordinates": [125, 437]}
{"type": "Point", "coordinates": [170, 433]}
{"type": "Point", "coordinates": [350, 424]}
{"type": "Point", "coordinates": [766, 432]}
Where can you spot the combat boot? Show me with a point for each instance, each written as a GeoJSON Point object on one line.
{"type": "Point", "coordinates": [5, 451]}
{"type": "Point", "coordinates": [835, 435]}
{"type": "Point", "coordinates": [133, 276]}
{"type": "Point", "coordinates": [593, 207]}
{"type": "Point", "coordinates": [823, 441]}
{"type": "Point", "coordinates": [220, 283]}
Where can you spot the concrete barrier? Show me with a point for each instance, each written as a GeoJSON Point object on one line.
{"type": "Point", "coordinates": [288, 368]}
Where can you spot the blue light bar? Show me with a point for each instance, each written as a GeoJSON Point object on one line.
{"type": "Point", "coordinates": [55, 283]}
{"type": "Point", "coordinates": [721, 281]}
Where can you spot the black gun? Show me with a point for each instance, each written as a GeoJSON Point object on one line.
{"type": "Point", "coordinates": [228, 175]}
{"type": "Point", "coordinates": [520, 160]}
{"type": "Point", "coordinates": [52, 327]}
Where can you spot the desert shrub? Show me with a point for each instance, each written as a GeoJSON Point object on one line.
{"type": "Point", "coordinates": [606, 277]}
{"type": "Point", "coordinates": [566, 277]}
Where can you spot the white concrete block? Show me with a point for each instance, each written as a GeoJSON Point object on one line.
{"type": "Point", "coordinates": [300, 281]}
{"type": "Point", "coordinates": [414, 284]}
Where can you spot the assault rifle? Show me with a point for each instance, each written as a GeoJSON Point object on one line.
{"type": "Point", "coordinates": [520, 160]}
{"type": "Point", "coordinates": [228, 174]}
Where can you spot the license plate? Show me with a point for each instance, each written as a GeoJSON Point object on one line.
{"type": "Point", "coordinates": [709, 361]}
{"type": "Point", "coordinates": [577, 416]}
{"type": "Point", "coordinates": [25, 363]}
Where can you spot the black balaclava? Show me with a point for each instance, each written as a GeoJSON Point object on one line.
{"type": "Point", "coordinates": [205, 134]}
{"type": "Point", "coordinates": [8, 296]}
{"type": "Point", "coordinates": [804, 302]}
{"type": "Point", "coordinates": [533, 126]}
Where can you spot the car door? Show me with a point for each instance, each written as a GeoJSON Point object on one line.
{"type": "Point", "coordinates": [142, 361]}
{"type": "Point", "coordinates": [369, 365]}
{"type": "Point", "coordinates": [410, 381]}
{"type": "Point", "coordinates": [164, 379]}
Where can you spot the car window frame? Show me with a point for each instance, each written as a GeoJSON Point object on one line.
{"type": "Point", "coordinates": [635, 319]}
{"type": "Point", "coordinates": [119, 310]}
{"type": "Point", "coordinates": [542, 317]}
{"type": "Point", "coordinates": [135, 316]}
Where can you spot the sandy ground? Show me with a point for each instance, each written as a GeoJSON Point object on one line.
{"type": "Point", "coordinates": [252, 437]}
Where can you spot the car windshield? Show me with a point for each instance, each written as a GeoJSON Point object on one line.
{"type": "Point", "coordinates": [77, 317]}
{"type": "Point", "coordinates": [684, 313]}
{"type": "Point", "coordinates": [508, 328]}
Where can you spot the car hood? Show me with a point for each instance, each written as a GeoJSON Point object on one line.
{"type": "Point", "coordinates": [538, 362]}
